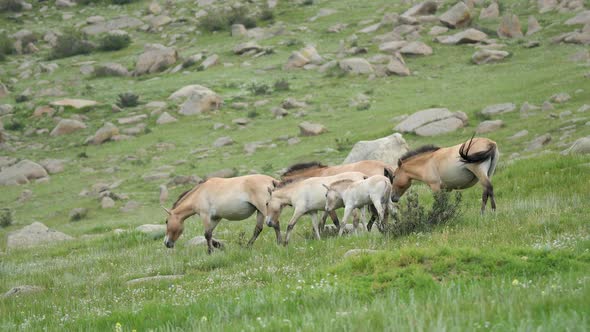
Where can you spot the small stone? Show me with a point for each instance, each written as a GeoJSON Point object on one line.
{"type": "Point", "coordinates": [165, 118]}
{"type": "Point", "coordinates": [560, 98]}
{"type": "Point", "coordinates": [311, 129]}
{"type": "Point", "coordinates": [223, 141]}
{"type": "Point", "coordinates": [539, 142]}
{"type": "Point", "coordinates": [107, 203]}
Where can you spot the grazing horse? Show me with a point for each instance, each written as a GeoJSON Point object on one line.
{"type": "Point", "coordinates": [315, 169]}
{"type": "Point", "coordinates": [306, 197]}
{"type": "Point", "coordinates": [375, 190]}
{"type": "Point", "coordinates": [220, 198]}
{"type": "Point", "coordinates": [455, 167]}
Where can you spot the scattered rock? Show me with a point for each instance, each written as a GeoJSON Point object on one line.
{"type": "Point", "coordinates": [210, 61]}
{"type": "Point", "coordinates": [580, 146]}
{"type": "Point", "coordinates": [510, 27]}
{"type": "Point", "coordinates": [223, 141]}
{"type": "Point", "coordinates": [488, 56]}
{"type": "Point", "coordinates": [584, 108]}
{"type": "Point", "coordinates": [75, 103]}
{"type": "Point", "coordinates": [397, 66]}
{"type": "Point", "coordinates": [22, 290]}
{"type": "Point", "coordinates": [222, 173]}
{"type": "Point", "coordinates": [437, 30]}
{"type": "Point", "coordinates": [247, 47]}
{"type": "Point", "coordinates": [311, 129]}
{"type": "Point", "coordinates": [560, 98]}
{"type": "Point", "coordinates": [433, 121]}
{"type": "Point", "coordinates": [78, 214]}
{"type": "Point", "coordinates": [33, 235]}
{"type": "Point", "coordinates": [130, 206]}
{"type": "Point", "coordinates": [165, 118]}
{"type": "Point", "coordinates": [421, 9]}
{"type": "Point", "coordinates": [533, 26]}
{"type": "Point", "coordinates": [356, 66]}
{"type": "Point", "coordinates": [464, 37]}
{"type": "Point", "coordinates": [489, 126]}
{"type": "Point", "coordinates": [200, 240]}
{"type": "Point", "coordinates": [155, 59]}
{"type": "Point", "coordinates": [457, 17]}
{"type": "Point", "coordinates": [111, 69]}
{"type": "Point", "coordinates": [53, 166]}
{"type": "Point", "coordinates": [21, 173]}
{"type": "Point", "coordinates": [279, 112]}
{"type": "Point", "coordinates": [67, 126]}
{"type": "Point", "coordinates": [160, 21]}
{"type": "Point", "coordinates": [132, 119]}
{"type": "Point", "coordinates": [238, 30]}
{"type": "Point", "coordinates": [163, 194]}
{"type": "Point", "coordinates": [499, 109]}
{"type": "Point", "coordinates": [107, 132]}
{"type": "Point", "coordinates": [519, 134]}
{"type": "Point", "coordinates": [134, 282]}
{"type": "Point", "coordinates": [115, 24]}
{"type": "Point", "coordinates": [155, 231]}
{"type": "Point", "coordinates": [416, 48]}
{"type": "Point", "coordinates": [156, 176]}
{"type": "Point", "coordinates": [154, 8]}
{"type": "Point", "coordinates": [107, 203]}
{"type": "Point", "coordinates": [291, 103]}
{"type": "Point", "coordinates": [198, 99]}
{"type": "Point", "coordinates": [547, 106]}
{"type": "Point", "coordinates": [387, 149]}
{"type": "Point", "coordinates": [539, 142]}
{"type": "Point", "coordinates": [491, 11]}
{"type": "Point", "coordinates": [3, 90]}
{"type": "Point", "coordinates": [582, 18]}
{"type": "Point", "coordinates": [304, 56]}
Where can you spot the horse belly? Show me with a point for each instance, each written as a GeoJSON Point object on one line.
{"type": "Point", "coordinates": [235, 211]}
{"type": "Point", "coordinates": [458, 178]}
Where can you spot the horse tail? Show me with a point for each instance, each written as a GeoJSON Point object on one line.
{"type": "Point", "coordinates": [494, 161]}
{"type": "Point", "coordinates": [475, 157]}
{"type": "Point", "coordinates": [388, 172]}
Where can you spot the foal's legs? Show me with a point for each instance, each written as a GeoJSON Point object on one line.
{"type": "Point", "coordinates": [347, 212]}
{"type": "Point", "coordinates": [258, 228]}
{"type": "Point", "coordinates": [296, 215]}
{"type": "Point", "coordinates": [314, 222]}
{"type": "Point", "coordinates": [332, 215]}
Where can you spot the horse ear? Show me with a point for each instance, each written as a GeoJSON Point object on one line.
{"type": "Point", "coordinates": [399, 163]}
{"type": "Point", "coordinates": [275, 183]}
{"type": "Point", "coordinates": [328, 188]}
{"type": "Point", "coordinates": [269, 190]}
{"type": "Point", "coordinates": [167, 211]}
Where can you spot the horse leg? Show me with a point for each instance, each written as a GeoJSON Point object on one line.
{"type": "Point", "coordinates": [258, 228]}
{"type": "Point", "coordinates": [209, 224]}
{"type": "Point", "coordinates": [314, 223]}
{"type": "Point", "coordinates": [380, 210]}
{"type": "Point", "coordinates": [334, 218]}
{"type": "Point", "coordinates": [347, 212]}
{"type": "Point", "coordinates": [373, 217]}
{"type": "Point", "coordinates": [355, 219]}
{"type": "Point", "coordinates": [296, 215]}
{"type": "Point", "coordinates": [484, 180]}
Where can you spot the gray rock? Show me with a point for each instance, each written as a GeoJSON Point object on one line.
{"type": "Point", "coordinates": [560, 98]}
{"type": "Point", "coordinates": [464, 37]}
{"type": "Point", "coordinates": [584, 108]}
{"type": "Point", "coordinates": [510, 27]}
{"type": "Point", "coordinates": [21, 173]}
{"type": "Point", "coordinates": [491, 11]}
{"type": "Point", "coordinates": [165, 118]}
{"type": "Point", "coordinates": [7, 161]}
{"type": "Point", "coordinates": [499, 109]}
{"type": "Point", "coordinates": [580, 146]}
{"type": "Point", "coordinates": [533, 26]}
{"type": "Point", "coordinates": [197, 99]}
{"type": "Point", "coordinates": [107, 203]}
{"type": "Point", "coordinates": [222, 173]}
{"type": "Point", "coordinates": [132, 119]}
{"type": "Point", "coordinates": [582, 18]}
{"type": "Point", "coordinates": [200, 240]}
{"type": "Point", "coordinates": [291, 103]}
{"type": "Point", "coordinates": [111, 69]}
{"type": "Point", "coordinates": [53, 166]}
{"type": "Point", "coordinates": [75, 103]}
{"type": "Point", "coordinates": [78, 214]}
{"type": "Point", "coordinates": [130, 206]}
{"type": "Point", "coordinates": [547, 106]}
{"type": "Point", "coordinates": [488, 56]}
{"type": "Point", "coordinates": [416, 48]}
{"type": "Point", "coordinates": [539, 142]}
{"type": "Point", "coordinates": [115, 24]}
{"type": "Point", "coordinates": [163, 194]}
{"type": "Point", "coordinates": [457, 17]}
{"type": "Point", "coordinates": [3, 90]}
{"type": "Point", "coordinates": [440, 127]}
{"type": "Point", "coordinates": [358, 66]}
{"type": "Point", "coordinates": [489, 126]}
{"type": "Point", "coordinates": [160, 21]}
{"type": "Point", "coordinates": [107, 132]}
{"type": "Point", "coordinates": [35, 234]}
{"type": "Point", "coordinates": [311, 129]}
{"type": "Point", "coordinates": [67, 126]}
{"type": "Point", "coordinates": [387, 149]}
{"type": "Point", "coordinates": [247, 47]}
{"type": "Point", "coordinates": [210, 61]}
{"type": "Point", "coordinates": [421, 9]}
{"type": "Point", "coordinates": [137, 281]}
{"type": "Point", "coordinates": [238, 30]}
{"type": "Point", "coordinates": [155, 59]}
{"type": "Point", "coordinates": [22, 290]}
{"type": "Point", "coordinates": [519, 134]}
{"type": "Point", "coordinates": [420, 118]}
{"type": "Point", "coordinates": [155, 231]}
{"type": "Point", "coordinates": [223, 141]}
{"type": "Point", "coordinates": [156, 176]}
{"type": "Point", "coordinates": [358, 252]}
{"type": "Point", "coordinates": [437, 30]}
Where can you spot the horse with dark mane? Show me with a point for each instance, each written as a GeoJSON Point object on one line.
{"type": "Point", "coordinates": [456, 167]}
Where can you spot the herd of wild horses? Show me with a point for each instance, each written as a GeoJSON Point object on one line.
{"type": "Point", "coordinates": [312, 187]}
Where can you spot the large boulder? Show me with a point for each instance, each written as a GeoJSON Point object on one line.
{"type": "Point", "coordinates": [441, 127]}
{"type": "Point", "coordinates": [484, 56]}
{"type": "Point", "coordinates": [154, 231]}
{"type": "Point", "coordinates": [387, 149]}
{"type": "Point", "coordinates": [432, 122]}
{"type": "Point", "coordinates": [463, 37]}
{"type": "Point", "coordinates": [580, 146]}
{"type": "Point", "coordinates": [304, 56]}
{"type": "Point", "coordinates": [114, 24]}
{"type": "Point", "coordinates": [111, 69]}
{"type": "Point", "coordinates": [416, 48]}
{"type": "Point", "coordinates": [356, 66]}
{"type": "Point", "coordinates": [155, 59]}
{"type": "Point", "coordinates": [33, 235]}
{"type": "Point", "coordinates": [510, 27]}
{"type": "Point", "coordinates": [197, 99]}
{"type": "Point", "coordinates": [457, 17]}
{"type": "Point", "coordinates": [21, 173]}
{"type": "Point", "coordinates": [582, 18]}
{"type": "Point", "coordinates": [67, 126]}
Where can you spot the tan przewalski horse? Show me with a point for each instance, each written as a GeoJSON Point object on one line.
{"type": "Point", "coordinates": [456, 167]}
{"type": "Point", "coordinates": [306, 197]}
{"type": "Point", "coordinates": [221, 198]}
{"type": "Point", "coordinates": [316, 169]}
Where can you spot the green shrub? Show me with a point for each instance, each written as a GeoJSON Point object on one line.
{"type": "Point", "coordinates": [11, 5]}
{"type": "Point", "coordinates": [214, 21]}
{"type": "Point", "coordinates": [6, 218]}
{"type": "Point", "coordinates": [412, 217]}
{"type": "Point", "coordinates": [114, 42]}
{"type": "Point", "coordinates": [6, 45]}
{"type": "Point", "coordinates": [222, 20]}
{"type": "Point", "coordinates": [122, 2]}
{"type": "Point", "coordinates": [128, 99]}
{"type": "Point", "coordinates": [252, 114]}
{"type": "Point", "coordinates": [267, 15]}
{"type": "Point", "coordinates": [71, 43]}
{"type": "Point", "coordinates": [241, 15]}
{"type": "Point", "coordinates": [343, 144]}
{"type": "Point", "coordinates": [14, 125]}
{"type": "Point", "coordinates": [259, 89]}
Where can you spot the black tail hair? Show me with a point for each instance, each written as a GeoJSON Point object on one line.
{"type": "Point", "coordinates": [476, 157]}
{"type": "Point", "coordinates": [387, 172]}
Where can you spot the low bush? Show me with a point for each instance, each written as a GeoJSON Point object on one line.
{"type": "Point", "coordinates": [71, 43]}
{"type": "Point", "coordinates": [128, 99]}
{"type": "Point", "coordinates": [281, 85]}
{"type": "Point", "coordinates": [6, 46]}
{"type": "Point", "coordinates": [11, 5]}
{"type": "Point", "coordinates": [259, 89]}
{"type": "Point", "coordinates": [6, 218]}
{"type": "Point", "coordinates": [114, 42]}
{"type": "Point", "coordinates": [220, 20]}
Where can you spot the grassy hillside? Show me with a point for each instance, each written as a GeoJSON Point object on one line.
{"type": "Point", "coordinates": [523, 268]}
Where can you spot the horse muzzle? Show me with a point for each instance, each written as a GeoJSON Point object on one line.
{"type": "Point", "coordinates": [269, 222]}
{"type": "Point", "coordinates": [168, 243]}
{"type": "Point", "coordinates": [394, 199]}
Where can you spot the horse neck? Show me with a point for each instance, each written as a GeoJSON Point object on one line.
{"type": "Point", "coordinates": [284, 194]}
{"type": "Point", "coordinates": [188, 206]}
{"type": "Point", "coordinates": [340, 188]}
{"type": "Point", "coordinates": [418, 167]}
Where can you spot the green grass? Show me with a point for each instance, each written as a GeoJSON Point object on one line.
{"type": "Point", "coordinates": [457, 277]}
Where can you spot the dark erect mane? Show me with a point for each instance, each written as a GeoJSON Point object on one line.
{"type": "Point", "coordinates": [420, 150]}
{"type": "Point", "coordinates": [185, 194]}
{"type": "Point", "coordinates": [285, 183]}
{"type": "Point", "coordinates": [302, 166]}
